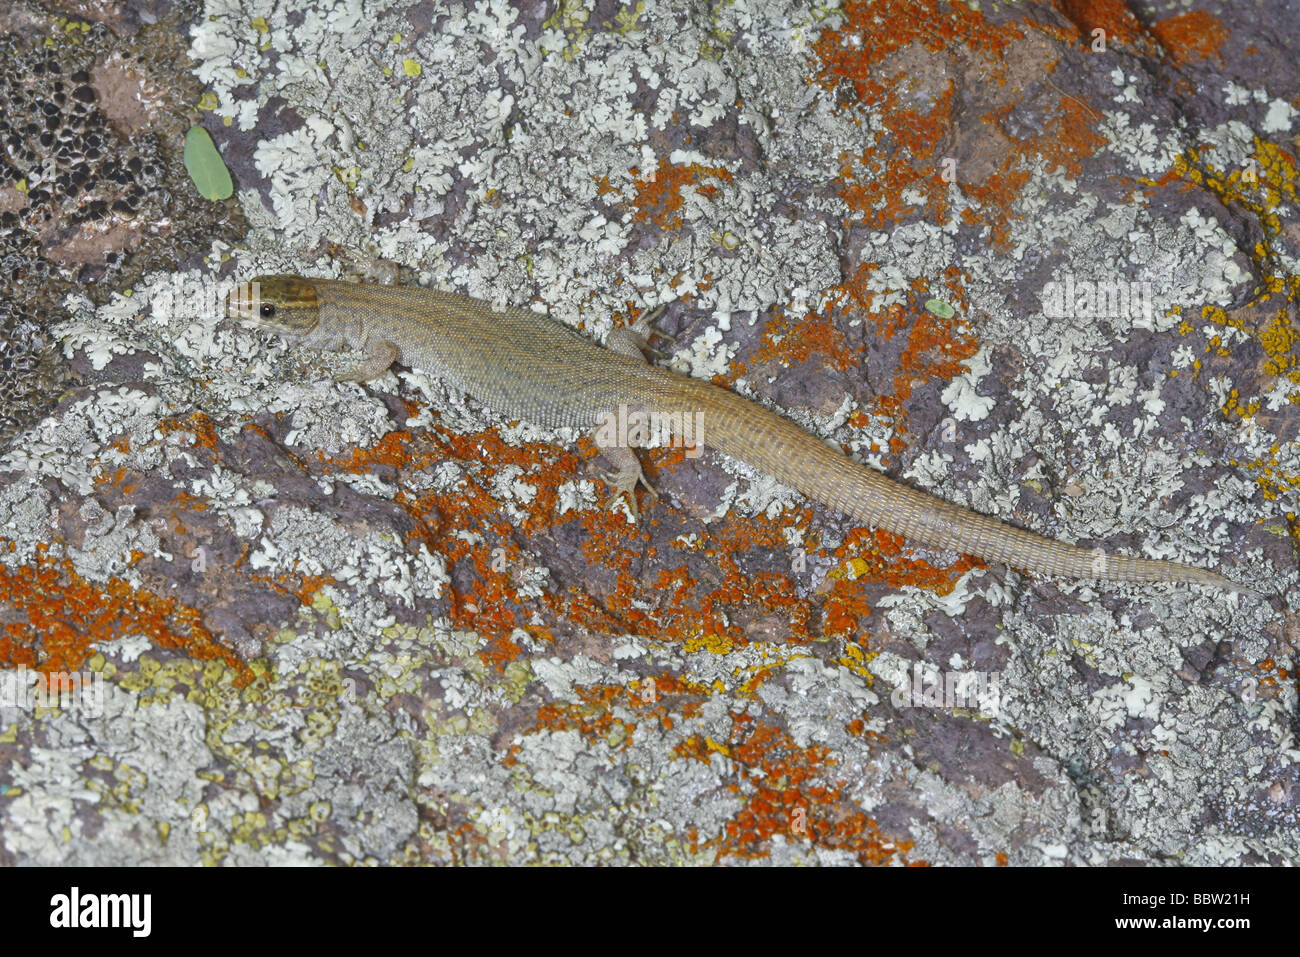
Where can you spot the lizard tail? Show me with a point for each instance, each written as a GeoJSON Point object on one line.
{"type": "Point", "coordinates": [751, 433]}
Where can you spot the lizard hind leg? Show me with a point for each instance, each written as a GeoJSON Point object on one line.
{"type": "Point", "coordinates": [624, 474]}
{"type": "Point", "coordinates": [633, 340]}
{"type": "Point", "coordinates": [625, 469]}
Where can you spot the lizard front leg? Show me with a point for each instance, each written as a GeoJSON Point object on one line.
{"type": "Point", "coordinates": [380, 354]}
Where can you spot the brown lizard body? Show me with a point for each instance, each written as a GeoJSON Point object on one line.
{"type": "Point", "coordinates": [532, 368]}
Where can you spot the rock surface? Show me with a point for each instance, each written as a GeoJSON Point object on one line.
{"type": "Point", "coordinates": [1040, 270]}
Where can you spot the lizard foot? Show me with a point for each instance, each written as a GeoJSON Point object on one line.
{"type": "Point", "coordinates": [360, 266]}
{"type": "Point", "coordinates": [634, 340]}
{"type": "Point", "coordinates": [624, 476]}
{"type": "Point", "coordinates": [382, 354]}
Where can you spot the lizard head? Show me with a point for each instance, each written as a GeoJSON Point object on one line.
{"type": "Point", "coordinates": [286, 305]}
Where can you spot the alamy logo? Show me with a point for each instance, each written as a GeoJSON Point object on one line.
{"type": "Point", "coordinates": [1089, 299]}
{"type": "Point", "coordinates": [24, 689]}
{"type": "Point", "coordinates": [929, 688]}
{"type": "Point", "coordinates": [102, 910]}
{"type": "Point", "coordinates": [637, 429]}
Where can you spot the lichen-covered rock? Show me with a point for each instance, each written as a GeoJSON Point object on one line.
{"type": "Point", "coordinates": [1038, 259]}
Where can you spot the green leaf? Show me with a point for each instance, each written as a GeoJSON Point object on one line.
{"type": "Point", "coordinates": [205, 166]}
{"type": "Point", "coordinates": [940, 308]}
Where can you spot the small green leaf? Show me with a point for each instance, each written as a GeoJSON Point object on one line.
{"type": "Point", "coordinates": [939, 308]}
{"type": "Point", "coordinates": [205, 167]}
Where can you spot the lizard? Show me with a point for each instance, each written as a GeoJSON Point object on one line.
{"type": "Point", "coordinates": [530, 367]}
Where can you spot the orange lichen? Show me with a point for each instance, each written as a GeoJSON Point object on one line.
{"type": "Point", "coordinates": [1196, 35]}
{"type": "Point", "coordinates": [790, 339]}
{"type": "Point", "coordinates": [197, 424]}
{"type": "Point", "coordinates": [659, 195]}
{"type": "Point", "coordinates": [936, 349]}
{"type": "Point", "coordinates": [918, 134]}
{"type": "Point", "coordinates": [684, 607]}
{"type": "Point", "coordinates": [500, 650]}
{"type": "Point", "coordinates": [870, 32]}
{"type": "Point", "coordinates": [879, 556]}
{"type": "Point", "coordinates": [63, 615]}
{"type": "Point", "coordinates": [1112, 16]}
{"type": "Point", "coordinates": [311, 584]}
{"type": "Point", "coordinates": [998, 193]}
{"type": "Point", "coordinates": [874, 188]}
{"type": "Point", "coordinates": [545, 467]}
{"type": "Point", "coordinates": [796, 795]}
{"type": "Point", "coordinates": [393, 449]}
{"type": "Point", "coordinates": [875, 194]}
{"type": "Point", "coordinates": [1068, 137]}
{"type": "Point", "coordinates": [591, 716]}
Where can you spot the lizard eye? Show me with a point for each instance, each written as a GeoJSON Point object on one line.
{"type": "Point", "coordinates": [266, 311]}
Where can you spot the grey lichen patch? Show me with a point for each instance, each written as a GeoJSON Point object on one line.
{"type": "Point", "coordinates": [122, 797]}
{"type": "Point", "coordinates": [28, 517]}
{"type": "Point", "coordinates": [110, 538]}
{"type": "Point", "coordinates": [308, 544]}
{"type": "Point", "coordinates": [76, 448]}
{"type": "Point", "coordinates": [1099, 428]}
{"type": "Point", "coordinates": [372, 160]}
{"type": "Point", "coordinates": [285, 770]}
